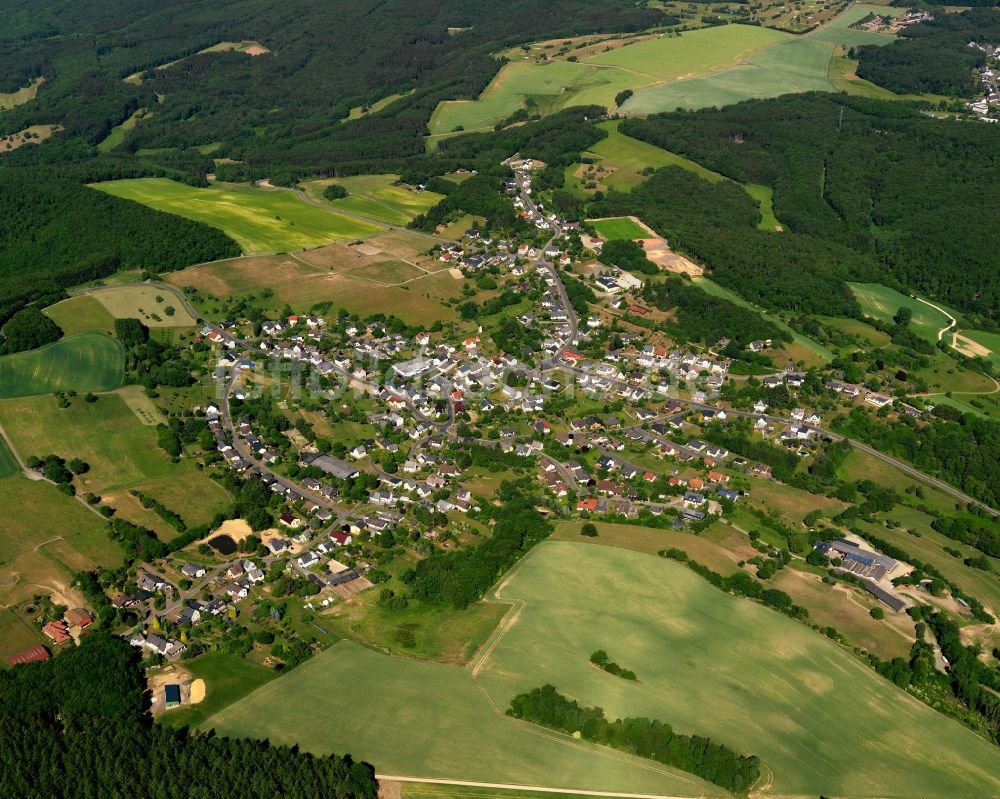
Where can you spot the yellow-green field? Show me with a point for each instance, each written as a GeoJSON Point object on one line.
{"type": "Point", "coordinates": [376, 196]}
{"type": "Point", "coordinates": [152, 306]}
{"type": "Point", "coordinates": [81, 315]}
{"type": "Point", "coordinates": [259, 220]}
{"type": "Point", "coordinates": [10, 100]}
{"type": "Point", "coordinates": [707, 663]}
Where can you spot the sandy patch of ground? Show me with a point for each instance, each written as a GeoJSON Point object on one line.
{"type": "Point", "coordinates": [255, 50]}
{"type": "Point", "coordinates": [365, 249]}
{"type": "Point", "coordinates": [456, 273]}
{"type": "Point", "coordinates": [169, 675]}
{"type": "Point", "coordinates": [968, 347]}
{"type": "Point", "coordinates": [237, 529]}
{"type": "Point", "coordinates": [389, 789]}
{"type": "Point", "coordinates": [659, 252]}
{"type": "Point", "coordinates": [197, 691]}
{"type": "Point", "coordinates": [36, 134]}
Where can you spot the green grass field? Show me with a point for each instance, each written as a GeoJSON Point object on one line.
{"type": "Point", "coordinates": [47, 538]}
{"type": "Point", "coordinates": [227, 678]}
{"type": "Point", "coordinates": [619, 228]}
{"type": "Point", "coordinates": [991, 341]}
{"type": "Point", "coordinates": [625, 158]}
{"type": "Point", "coordinates": [798, 65]}
{"type": "Point", "coordinates": [8, 463]}
{"type": "Point", "coordinates": [696, 52]}
{"type": "Point", "coordinates": [10, 100]}
{"type": "Point", "coordinates": [764, 195]}
{"type": "Point", "coordinates": [119, 133]}
{"type": "Point", "coordinates": [84, 362]}
{"type": "Point", "coordinates": [81, 315]}
{"type": "Point", "coordinates": [376, 196]}
{"type": "Point", "coordinates": [121, 451]}
{"type": "Point", "coordinates": [707, 663]}
{"type": "Point", "coordinates": [258, 220]}
{"type": "Point", "coordinates": [17, 633]}
{"type": "Point", "coordinates": [881, 302]}
{"type": "Point", "coordinates": [545, 88]}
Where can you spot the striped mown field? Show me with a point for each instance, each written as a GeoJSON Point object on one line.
{"type": "Point", "coordinates": [84, 362]}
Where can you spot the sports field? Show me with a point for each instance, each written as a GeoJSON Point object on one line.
{"type": "Point", "coordinates": [620, 227]}
{"type": "Point", "coordinates": [376, 196]}
{"type": "Point", "coordinates": [258, 220]}
{"type": "Point", "coordinates": [881, 302]}
{"type": "Point", "coordinates": [84, 362]}
{"type": "Point", "coordinates": [707, 663]}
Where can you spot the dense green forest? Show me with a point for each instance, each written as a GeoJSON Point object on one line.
{"type": "Point", "coordinates": [933, 57]}
{"type": "Point", "coordinates": [76, 726]}
{"type": "Point", "coordinates": [647, 738]}
{"type": "Point", "coordinates": [285, 111]}
{"type": "Point", "coordinates": [865, 189]}
{"type": "Point", "coordinates": [78, 234]}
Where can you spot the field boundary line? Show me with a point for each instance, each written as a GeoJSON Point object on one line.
{"type": "Point", "coordinates": [513, 787]}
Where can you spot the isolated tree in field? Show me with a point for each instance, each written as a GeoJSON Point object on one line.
{"type": "Point", "coordinates": [903, 316]}
{"type": "Point", "coordinates": [589, 529]}
{"type": "Point", "coordinates": [335, 192]}
{"type": "Point", "coordinates": [877, 613]}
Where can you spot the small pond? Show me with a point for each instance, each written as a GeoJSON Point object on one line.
{"type": "Point", "coordinates": [222, 544]}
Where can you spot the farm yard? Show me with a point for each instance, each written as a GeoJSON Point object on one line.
{"type": "Point", "coordinates": [259, 220]}
{"type": "Point", "coordinates": [376, 196]}
{"type": "Point", "coordinates": [83, 362]}
{"type": "Point", "coordinates": [707, 663]}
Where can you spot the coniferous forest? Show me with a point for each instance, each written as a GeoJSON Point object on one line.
{"type": "Point", "coordinates": [77, 724]}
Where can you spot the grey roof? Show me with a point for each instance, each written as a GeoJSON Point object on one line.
{"type": "Point", "coordinates": [334, 466]}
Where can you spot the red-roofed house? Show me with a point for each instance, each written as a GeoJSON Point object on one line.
{"type": "Point", "coordinates": [718, 477]}
{"type": "Point", "coordinates": [589, 504]}
{"type": "Point", "coordinates": [57, 631]}
{"type": "Point", "coordinates": [696, 484]}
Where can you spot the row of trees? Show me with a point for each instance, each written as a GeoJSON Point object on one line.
{"type": "Point", "coordinates": [651, 739]}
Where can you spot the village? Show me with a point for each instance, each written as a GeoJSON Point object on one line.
{"type": "Point", "coordinates": [620, 426]}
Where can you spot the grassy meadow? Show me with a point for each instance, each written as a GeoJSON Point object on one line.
{"type": "Point", "coordinates": [121, 451]}
{"type": "Point", "coordinates": [376, 196]}
{"type": "Point", "coordinates": [148, 304]}
{"type": "Point", "coordinates": [46, 541]}
{"type": "Point", "coordinates": [696, 52]}
{"type": "Point", "coordinates": [707, 663]}
{"type": "Point", "coordinates": [82, 362]}
{"type": "Point", "coordinates": [10, 100]}
{"type": "Point", "coordinates": [81, 315]}
{"type": "Point", "coordinates": [8, 463]}
{"type": "Point", "coordinates": [260, 221]}
{"type": "Point", "coordinates": [881, 302]}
